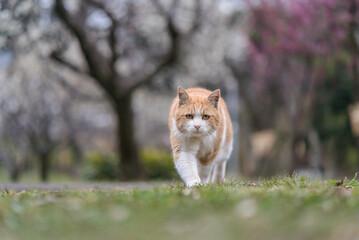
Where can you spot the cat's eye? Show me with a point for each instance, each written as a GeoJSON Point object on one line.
{"type": "Point", "coordinates": [205, 117]}
{"type": "Point", "coordinates": [189, 116]}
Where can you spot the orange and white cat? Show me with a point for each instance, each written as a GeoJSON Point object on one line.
{"type": "Point", "coordinates": [201, 135]}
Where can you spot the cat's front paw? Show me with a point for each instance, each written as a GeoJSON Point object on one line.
{"type": "Point", "coordinates": [193, 183]}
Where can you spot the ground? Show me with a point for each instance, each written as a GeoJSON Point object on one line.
{"type": "Point", "coordinates": [277, 208]}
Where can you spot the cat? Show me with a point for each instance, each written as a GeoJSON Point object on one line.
{"type": "Point", "coordinates": [201, 135]}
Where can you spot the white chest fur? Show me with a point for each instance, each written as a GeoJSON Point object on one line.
{"type": "Point", "coordinates": [206, 145]}
{"type": "Point", "coordinates": [192, 148]}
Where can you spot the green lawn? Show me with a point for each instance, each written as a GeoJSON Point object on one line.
{"type": "Point", "coordinates": [279, 208]}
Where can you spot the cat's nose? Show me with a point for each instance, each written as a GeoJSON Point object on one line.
{"type": "Point", "coordinates": [197, 127]}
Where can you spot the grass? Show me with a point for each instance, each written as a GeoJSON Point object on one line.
{"type": "Point", "coordinates": [277, 208]}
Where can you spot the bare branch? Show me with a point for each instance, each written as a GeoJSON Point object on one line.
{"type": "Point", "coordinates": [241, 77]}
{"type": "Point", "coordinates": [149, 77]}
{"type": "Point", "coordinates": [98, 65]}
{"type": "Point", "coordinates": [93, 57]}
{"type": "Point", "coordinates": [160, 8]}
{"type": "Point", "coordinates": [169, 58]}
{"type": "Point", "coordinates": [112, 40]}
{"type": "Point", "coordinates": [75, 93]}
{"type": "Point", "coordinates": [197, 18]}
{"type": "Point", "coordinates": [54, 56]}
{"type": "Point", "coordinates": [173, 7]}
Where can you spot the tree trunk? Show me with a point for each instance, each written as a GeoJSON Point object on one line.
{"type": "Point", "coordinates": [44, 166]}
{"type": "Point", "coordinates": [15, 174]}
{"type": "Point", "coordinates": [300, 152]}
{"type": "Point", "coordinates": [353, 45]}
{"type": "Point", "coordinates": [278, 160]}
{"type": "Point", "coordinates": [76, 155]}
{"type": "Point", "coordinates": [14, 169]}
{"type": "Point", "coordinates": [244, 148]}
{"type": "Point", "coordinates": [130, 167]}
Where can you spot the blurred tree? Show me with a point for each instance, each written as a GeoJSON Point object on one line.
{"type": "Point", "coordinates": [122, 54]}
{"type": "Point", "coordinates": [353, 9]}
{"type": "Point", "coordinates": [31, 122]}
{"type": "Point", "coordinates": [13, 149]}
{"type": "Point", "coordinates": [292, 46]}
{"type": "Point", "coordinates": [33, 102]}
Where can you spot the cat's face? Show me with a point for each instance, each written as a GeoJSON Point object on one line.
{"type": "Point", "coordinates": [197, 115]}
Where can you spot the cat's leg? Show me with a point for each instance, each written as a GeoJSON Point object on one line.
{"type": "Point", "coordinates": [218, 172]}
{"type": "Point", "coordinates": [186, 165]}
{"type": "Point", "coordinates": [204, 172]}
{"type": "Point", "coordinates": [219, 168]}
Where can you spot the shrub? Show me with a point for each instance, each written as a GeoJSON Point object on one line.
{"type": "Point", "coordinates": [99, 166]}
{"type": "Point", "coordinates": [158, 164]}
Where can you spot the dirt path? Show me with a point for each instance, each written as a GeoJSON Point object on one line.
{"type": "Point", "coordinates": [82, 185]}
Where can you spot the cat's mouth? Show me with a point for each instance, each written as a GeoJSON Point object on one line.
{"type": "Point", "coordinates": [197, 133]}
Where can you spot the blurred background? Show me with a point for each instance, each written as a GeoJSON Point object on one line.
{"type": "Point", "coordinates": [86, 85]}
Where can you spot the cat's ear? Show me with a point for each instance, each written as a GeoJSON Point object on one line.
{"type": "Point", "coordinates": [182, 95]}
{"type": "Point", "coordinates": [213, 98]}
